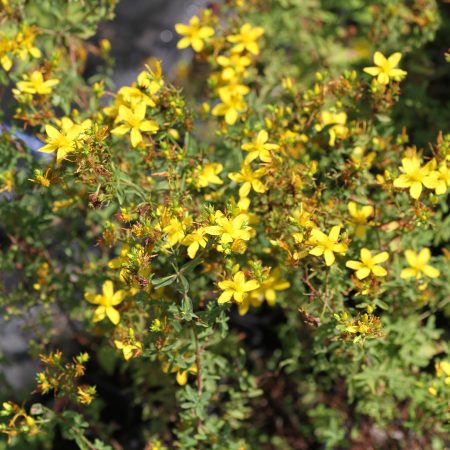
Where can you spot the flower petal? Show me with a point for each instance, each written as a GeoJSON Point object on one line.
{"type": "Point", "coordinates": [113, 315]}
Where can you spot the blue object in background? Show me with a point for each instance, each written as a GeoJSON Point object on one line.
{"type": "Point", "coordinates": [32, 142]}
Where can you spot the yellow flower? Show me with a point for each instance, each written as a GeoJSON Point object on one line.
{"type": "Point", "coordinates": [35, 84]}
{"type": "Point", "coordinates": [6, 46]}
{"type": "Point", "coordinates": [24, 43]}
{"type": "Point", "coordinates": [443, 368]}
{"type": "Point", "coordinates": [134, 122]}
{"type": "Point", "coordinates": [337, 122]}
{"type": "Point", "coordinates": [6, 62]}
{"type": "Point", "coordinates": [246, 39]}
{"type": "Point", "coordinates": [360, 159]}
{"type": "Point", "coordinates": [232, 103]}
{"type": "Point", "coordinates": [250, 179]}
{"type": "Point", "coordinates": [65, 140]}
{"type": "Point", "coordinates": [194, 34]}
{"type": "Point", "coordinates": [432, 390]}
{"type": "Point", "coordinates": [182, 375]}
{"type": "Point", "coordinates": [302, 217]}
{"type": "Point", "coordinates": [415, 176]}
{"type": "Point", "coordinates": [194, 241]}
{"type": "Point", "coordinates": [234, 65]}
{"type": "Point", "coordinates": [442, 176]}
{"type": "Point", "coordinates": [386, 68]}
{"type": "Point", "coordinates": [418, 265]}
{"type": "Point", "coordinates": [266, 291]}
{"type": "Point", "coordinates": [230, 230]}
{"type": "Point", "coordinates": [327, 245]}
{"type": "Point", "coordinates": [260, 148]}
{"type": "Point", "coordinates": [132, 96]}
{"type": "Point", "coordinates": [106, 301]}
{"type": "Point", "coordinates": [175, 231]}
{"type": "Point", "coordinates": [236, 289]}
{"type": "Point", "coordinates": [7, 178]}
{"type": "Point", "coordinates": [120, 261]}
{"type": "Point", "coordinates": [369, 264]}
{"type": "Point", "coordinates": [151, 80]}
{"type": "Point", "coordinates": [360, 217]}
{"type": "Point", "coordinates": [85, 394]}
{"type": "Point", "coordinates": [207, 174]}
{"type": "Point", "coordinates": [131, 348]}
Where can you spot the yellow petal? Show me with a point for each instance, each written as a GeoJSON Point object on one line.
{"type": "Point", "coordinates": [430, 271]}
{"type": "Point", "coordinates": [374, 71]}
{"type": "Point", "coordinates": [225, 297]}
{"type": "Point", "coordinates": [381, 257]}
{"type": "Point", "coordinates": [379, 271]}
{"type": "Point", "coordinates": [118, 297]}
{"type": "Point", "coordinates": [402, 181]}
{"type": "Point", "coordinates": [250, 285]}
{"type": "Point", "coordinates": [113, 315]}
{"type": "Point", "coordinates": [197, 44]}
{"type": "Point", "coordinates": [411, 257]}
{"type": "Point", "coordinates": [317, 251]}
{"type": "Point", "coordinates": [355, 265]}
{"type": "Point", "coordinates": [120, 130]}
{"type": "Point", "coordinates": [52, 132]}
{"type": "Point", "coordinates": [329, 257]}
{"type": "Point", "coordinates": [181, 28]}
{"type": "Point", "coordinates": [231, 116]}
{"type": "Point", "coordinates": [366, 256]}
{"type": "Point", "coordinates": [182, 377]}
{"type": "Point", "coordinates": [99, 314]}
{"type": "Point", "coordinates": [334, 233]}
{"type": "Point", "coordinates": [363, 273]}
{"type": "Point", "coordinates": [383, 78]}
{"type": "Point", "coordinates": [184, 43]}
{"type": "Point", "coordinates": [379, 59]}
{"type": "Point", "coordinates": [192, 250]}
{"type": "Point", "coordinates": [262, 137]}
{"type": "Point", "coordinates": [245, 189]}
{"type": "Point", "coordinates": [424, 256]}
{"type": "Point", "coordinates": [415, 190]}
{"type": "Point", "coordinates": [408, 273]}
{"type": "Point", "coordinates": [136, 137]}
{"type": "Point", "coordinates": [108, 289]}
{"type": "Point", "coordinates": [394, 59]}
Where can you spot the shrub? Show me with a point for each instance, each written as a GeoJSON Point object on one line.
{"type": "Point", "coordinates": [256, 261]}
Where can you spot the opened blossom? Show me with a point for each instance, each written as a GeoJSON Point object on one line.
{"type": "Point", "coordinates": [66, 139]}
{"type": "Point", "coordinates": [336, 125]}
{"type": "Point", "coordinates": [442, 178]}
{"type": "Point", "coordinates": [247, 39]}
{"type": "Point", "coordinates": [106, 301]}
{"type": "Point", "coordinates": [232, 229]}
{"type": "Point", "coordinates": [327, 245]}
{"type": "Point", "coordinates": [369, 264]}
{"type": "Point", "coordinates": [232, 102]}
{"type": "Point", "coordinates": [195, 34]}
{"type": "Point", "coordinates": [237, 288]}
{"type": "Point", "coordinates": [233, 66]}
{"type": "Point", "coordinates": [194, 241]}
{"type": "Point", "coordinates": [360, 217]}
{"type": "Point", "coordinates": [386, 69]}
{"type": "Point", "coordinates": [208, 174]}
{"type": "Point", "coordinates": [260, 148]}
{"type": "Point", "coordinates": [134, 122]}
{"type": "Point", "coordinates": [418, 265]}
{"type": "Point", "coordinates": [131, 348]}
{"type": "Point", "coordinates": [415, 176]}
{"type": "Point", "coordinates": [250, 179]}
{"type": "Point", "coordinates": [35, 84]}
